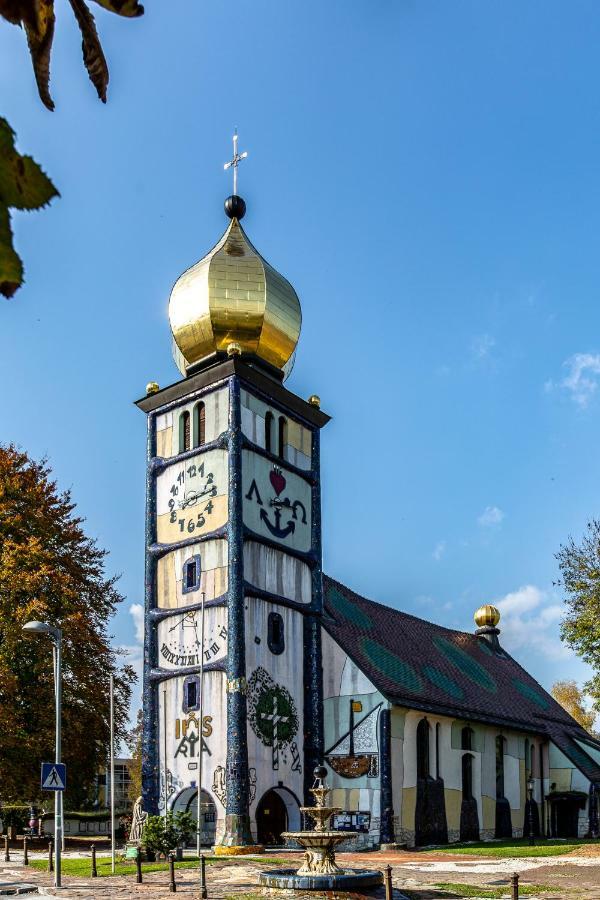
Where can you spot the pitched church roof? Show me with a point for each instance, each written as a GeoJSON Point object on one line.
{"type": "Point", "coordinates": [425, 666]}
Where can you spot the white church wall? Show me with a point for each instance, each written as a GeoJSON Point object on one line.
{"type": "Point", "coordinates": [277, 572]}
{"type": "Point", "coordinates": [354, 779]}
{"type": "Point", "coordinates": [274, 676]}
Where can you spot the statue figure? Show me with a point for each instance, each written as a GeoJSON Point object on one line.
{"type": "Point", "coordinates": [138, 819]}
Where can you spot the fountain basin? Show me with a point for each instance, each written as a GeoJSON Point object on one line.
{"type": "Point", "coordinates": [343, 880]}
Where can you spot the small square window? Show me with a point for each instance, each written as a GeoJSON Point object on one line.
{"type": "Point", "coordinates": [191, 694]}
{"type": "Point", "coordinates": [191, 574]}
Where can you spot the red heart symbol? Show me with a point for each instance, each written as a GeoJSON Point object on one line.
{"type": "Point", "coordinates": [278, 481]}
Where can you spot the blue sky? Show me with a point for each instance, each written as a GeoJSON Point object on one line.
{"type": "Point", "coordinates": [426, 174]}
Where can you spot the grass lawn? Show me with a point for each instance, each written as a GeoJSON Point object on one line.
{"type": "Point", "coordinates": [473, 890]}
{"type": "Point", "coordinates": [82, 867]}
{"type": "Point", "coordinates": [515, 849]}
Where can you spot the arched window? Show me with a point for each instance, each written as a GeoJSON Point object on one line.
{"type": "Point", "coordinates": [532, 761]}
{"type": "Point", "coordinates": [269, 422]}
{"type": "Point", "coordinates": [275, 634]}
{"type": "Point", "coordinates": [466, 738]}
{"type": "Point", "coordinates": [467, 776]}
{"type": "Point", "coordinates": [499, 766]}
{"type": "Point", "coordinates": [199, 424]}
{"type": "Point", "coordinates": [282, 437]}
{"type": "Point", "coordinates": [184, 432]}
{"type": "Point", "coordinates": [423, 749]}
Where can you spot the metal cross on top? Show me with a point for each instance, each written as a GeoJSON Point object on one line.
{"type": "Point", "coordinates": [234, 163]}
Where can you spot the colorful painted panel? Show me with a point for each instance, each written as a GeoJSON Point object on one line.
{"type": "Point", "coordinates": [216, 420]}
{"type": "Point", "coordinates": [298, 439]}
{"type": "Point", "coordinates": [179, 638]}
{"type": "Point", "coordinates": [173, 574]}
{"type": "Point", "coordinates": [273, 570]}
{"type": "Point", "coordinates": [277, 504]}
{"type": "Point", "coordinates": [192, 497]}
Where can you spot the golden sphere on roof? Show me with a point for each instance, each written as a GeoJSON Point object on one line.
{"type": "Point", "coordinates": [315, 400]}
{"type": "Point", "coordinates": [152, 387]}
{"type": "Point", "coordinates": [233, 302]}
{"type": "Point", "coordinates": [487, 616]}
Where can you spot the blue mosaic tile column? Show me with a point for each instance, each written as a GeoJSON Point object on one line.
{"type": "Point", "coordinates": [237, 812]}
{"type": "Point", "coordinates": [150, 759]}
{"type": "Point", "coordinates": [314, 747]}
{"type": "Point", "coordinates": [386, 835]}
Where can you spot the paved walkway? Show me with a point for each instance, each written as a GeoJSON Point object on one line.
{"type": "Point", "coordinates": [415, 875]}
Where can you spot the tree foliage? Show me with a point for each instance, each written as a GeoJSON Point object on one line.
{"type": "Point", "coordinates": [134, 742]}
{"type": "Point", "coordinates": [23, 185]}
{"type": "Point", "coordinates": [571, 698]}
{"type": "Point", "coordinates": [37, 19]}
{"type": "Point", "coordinates": [579, 566]}
{"type": "Point", "coordinates": [51, 571]}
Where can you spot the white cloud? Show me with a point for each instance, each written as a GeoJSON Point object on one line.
{"type": "Point", "coordinates": [581, 380]}
{"type": "Point", "coordinates": [482, 346]}
{"type": "Point", "coordinates": [492, 515]}
{"type": "Point", "coordinates": [530, 618]}
{"type": "Point", "coordinates": [439, 550]}
{"type": "Point", "coordinates": [136, 610]}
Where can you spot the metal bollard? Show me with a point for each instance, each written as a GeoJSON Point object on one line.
{"type": "Point", "coordinates": [203, 891]}
{"type": "Point", "coordinates": [389, 891]}
{"type": "Point", "coordinates": [138, 866]}
{"type": "Point", "coordinates": [6, 850]}
{"type": "Point", "coordinates": [172, 885]}
{"type": "Point", "coordinates": [94, 867]}
{"type": "Point", "coordinates": [50, 860]}
{"type": "Point", "coordinates": [25, 850]}
{"type": "Point", "coordinates": [514, 885]}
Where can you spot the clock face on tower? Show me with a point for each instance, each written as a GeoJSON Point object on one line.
{"type": "Point", "coordinates": [192, 497]}
{"type": "Point", "coordinates": [179, 638]}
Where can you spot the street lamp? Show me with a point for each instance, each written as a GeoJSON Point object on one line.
{"type": "Point", "coordinates": [530, 787]}
{"type": "Point", "coordinates": [35, 629]}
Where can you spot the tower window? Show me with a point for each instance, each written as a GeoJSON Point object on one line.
{"type": "Point", "coordinates": [184, 432]}
{"type": "Point", "coordinates": [269, 421]}
{"type": "Point", "coordinates": [191, 694]}
{"type": "Point", "coordinates": [275, 635]}
{"type": "Point", "coordinates": [423, 749]}
{"type": "Point", "coordinates": [191, 574]}
{"type": "Point", "coordinates": [282, 437]}
{"type": "Point", "coordinates": [199, 424]}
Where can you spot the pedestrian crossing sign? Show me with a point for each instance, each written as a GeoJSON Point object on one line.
{"type": "Point", "coordinates": [54, 776]}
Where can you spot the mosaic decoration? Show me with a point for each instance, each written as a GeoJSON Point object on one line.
{"type": "Point", "coordinates": [219, 784]}
{"type": "Point", "coordinates": [531, 694]}
{"type": "Point", "coordinates": [271, 713]}
{"type": "Point", "coordinates": [351, 612]}
{"type": "Point", "coordinates": [443, 682]}
{"type": "Point", "coordinates": [355, 753]}
{"type": "Point", "coordinates": [392, 666]}
{"type": "Point", "coordinates": [466, 664]}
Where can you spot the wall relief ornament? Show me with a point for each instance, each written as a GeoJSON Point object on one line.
{"type": "Point", "coordinates": [272, 715]}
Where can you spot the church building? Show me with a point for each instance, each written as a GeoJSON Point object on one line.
{"type": "Point", "coordinates": [258, 667]}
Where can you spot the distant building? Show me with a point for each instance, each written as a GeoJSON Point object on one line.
{"type": "Point", "coordinates": [122, 784]}
{"type": "Point", "coordinates": [430, 735]}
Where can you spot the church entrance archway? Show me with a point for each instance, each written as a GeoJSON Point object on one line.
{"type": "Point", "coordinates": [187, 801]}
{"type": "Point", "coordinates": [278, 811]}
{"type": "Point", "coordinates": [564, 813]}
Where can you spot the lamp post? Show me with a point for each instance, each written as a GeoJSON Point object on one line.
{"type": "Point", "coordinates": [200, 741]}
{"type": "Point", "coordinates": [530, 786]}
{"type": "Point", "coordinates": [34, 629]}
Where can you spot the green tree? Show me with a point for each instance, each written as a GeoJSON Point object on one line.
{"type": "Point", "coordinates": [22, 183]}
{"type": "Point", "coordinates": [134, 742]}
{"type": "Point", "coordinates": [571, 698]}
{"type": "Point", "coordinates": [51, 571]}
{"type": "Point", "coordinates": [579, 565]}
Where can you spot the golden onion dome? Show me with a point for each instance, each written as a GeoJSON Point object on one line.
{"type": "Point", "coordinates": [487, 616]}
{"type": "Point", "coordinates": [233, 302]}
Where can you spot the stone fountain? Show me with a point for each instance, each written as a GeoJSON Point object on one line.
{"type": "Point", "coordinates": [320, 871]}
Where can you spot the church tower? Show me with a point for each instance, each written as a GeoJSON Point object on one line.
{"type": "Point", "coordinates": [233, 580]}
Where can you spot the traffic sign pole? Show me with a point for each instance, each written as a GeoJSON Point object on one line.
{"type": "Point", "coordinates": [58, 796]}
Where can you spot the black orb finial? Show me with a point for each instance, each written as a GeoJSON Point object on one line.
{"type": "Point", "coordinates": [320, 772]}
{"type": "Point", "coordinates": [235, 207]}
